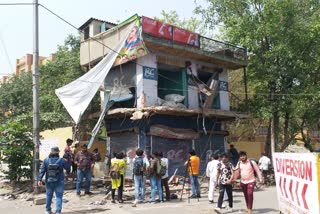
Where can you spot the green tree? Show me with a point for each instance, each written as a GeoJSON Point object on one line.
{"type": "Point", "coordinates": [17, 145]}
{"type": "Point", "coordinates": [283, 67]}
{"type": "Point", "coordinates": [193, 23]}
{"type": "Point", "coordinates": [16, 95]}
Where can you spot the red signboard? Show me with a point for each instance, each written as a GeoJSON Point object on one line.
{"type": "Point", "coordinates": [150, 26]}
{"type": "Point", "coordinates": [165, 30]}
{"type": "Point", "coordinates": [185, 37]}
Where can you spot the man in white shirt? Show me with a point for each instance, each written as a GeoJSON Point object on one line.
{"type": "Point", "coordinates": [164, 179]}
{"type": "Point", "coordinates": [264, 163]}
{"type": "Point", "coordinates": [211, 172]}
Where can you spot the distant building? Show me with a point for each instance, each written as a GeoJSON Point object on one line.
{"type": "Point", "coordinates": [3, 79]}
{"type": "Point", "coordinates": [25, 63]}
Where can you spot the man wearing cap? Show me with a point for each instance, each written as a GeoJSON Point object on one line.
{"type": "Point", "coordinates": [85, 161]}
{"type": "Point", "coordinates": [194, 163]}
{"type": "Point", "coordinates": [53, 167]}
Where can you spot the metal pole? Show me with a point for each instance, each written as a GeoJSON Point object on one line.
{"type": "Point", "coordinates": [35, 87]}
{"type": "Point", "coordinates": [245, 86]}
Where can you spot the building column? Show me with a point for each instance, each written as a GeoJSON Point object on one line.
{"type": "Point", "coordinates": [223, 90]}
{"type": "Point", "coordinates": [147, 81]}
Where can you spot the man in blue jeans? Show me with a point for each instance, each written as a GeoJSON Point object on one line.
{"type": "Point", "coordinates": [53, 167]}
{"type": "Point", "coordinates": [155, 178]}
{"type": "Point", "coordinates": [85, 161]}
{"type": "Point", "coordinates": [140, 165]}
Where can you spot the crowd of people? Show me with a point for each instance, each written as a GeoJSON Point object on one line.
{"type": "Point", "coordinates": [222, 171]}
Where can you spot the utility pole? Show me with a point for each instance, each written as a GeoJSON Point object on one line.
{"type": "Point", "coordinates": [35, 89]}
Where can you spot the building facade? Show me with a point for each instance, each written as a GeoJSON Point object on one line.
{"type": "Point", "coordinates": [179, 88]}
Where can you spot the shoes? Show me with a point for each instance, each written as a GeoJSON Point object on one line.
{"type": "Point", "coordinates": [113, 201]}
{"type": "Point", "coordinates": [58, 213]}
{"type": "Point", "coordinates": [222, 206]}
{"type": "Point", "coordinates": [211, 202]}
{"type": "Point", "coordinates": [152, 202]}
{"type": "Point", "coordinates": [134, 205]}
{"type": "Point", "coordinates": [78, 194]}
{"type": "Point", "coordinates": [193, 196]}
{"type": "Point", "coordinates": [120, 201]}
{"type": "Point", "coordinates": [217, 210]}
{"type": "Point", "coordinates": [198, 196]}
{"type": "Point", "coordinates": [229, 209]}
{"type": "Point", "coordinates": [48, 212]}
{"type": "Point", "coordinates": [88, 193]}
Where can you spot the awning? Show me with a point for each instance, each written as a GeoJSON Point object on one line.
{"type": "Point", "coordinates": [173, 133]}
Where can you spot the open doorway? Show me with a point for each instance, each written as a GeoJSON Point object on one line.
{"type": "Point", "coordinates": [172, 80]}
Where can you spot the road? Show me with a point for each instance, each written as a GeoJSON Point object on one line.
{"type": "Point", "coordinates": [265, 201]}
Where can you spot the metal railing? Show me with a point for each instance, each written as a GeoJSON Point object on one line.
{"type": "Point", "coordinates": [223, 48]}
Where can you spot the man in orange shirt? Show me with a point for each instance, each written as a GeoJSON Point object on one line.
{"type": "Point", "coordinates": [194, 163]}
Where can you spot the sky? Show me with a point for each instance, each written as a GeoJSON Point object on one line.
{"type": "Point", "coordinates": [16, 22]}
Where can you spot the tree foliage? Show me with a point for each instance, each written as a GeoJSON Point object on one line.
{"type": "Point", "coordinates": [193, 23]}
{"type": "Point", "coordinates": [283, 68]}
{"type": "Point", "coordinates": [17, 145]}
{"type": "Point", "coordinates": [16, 95]}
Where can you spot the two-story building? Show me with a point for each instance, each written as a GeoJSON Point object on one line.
{"type": "Point", "coordinates": [179, 88]}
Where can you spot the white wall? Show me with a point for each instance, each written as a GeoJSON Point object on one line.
{"type": "Point", "coordinates": [145, 87]}
{"type": "Point", "coordinates": [192, 90]}
{"type": "Point", "coordinates": [224, 95]}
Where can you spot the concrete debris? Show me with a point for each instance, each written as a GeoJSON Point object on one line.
{"type": "Point", "coordinates": [9, 197]}
{"type": "Point", "coordinates": [102, 202]}
{"type": "Point", "coordinates": [39, 201]}
{"type": "Point", "coordinates": [177, 98]}
{"type": "Point", "coordinates": [137, 115]}
{"type": "Point", "coordinates": [296, 149]}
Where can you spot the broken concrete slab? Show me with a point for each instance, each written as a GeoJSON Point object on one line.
{"type": "Point", "coordinates": [39, 201]}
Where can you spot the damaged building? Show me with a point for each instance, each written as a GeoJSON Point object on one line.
{"type": "Point", "coordinates": [173, 85]}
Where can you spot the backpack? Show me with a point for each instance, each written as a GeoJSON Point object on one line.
{"type": "Point", "coordinates": [53, 171]}
{"type": "Point", "coordinates": [254, 171]}
{"type": "Point", "coordinates": [138, 167]}
{"type": "Point", "coordinates": [114, 171]}
{"type": "Point", "coordinates": [161, 168]}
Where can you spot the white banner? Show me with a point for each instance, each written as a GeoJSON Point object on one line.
{"type": "Point", "coordinates": [77, 95]}
{"type": "Point", "coordinates": [297, 182]}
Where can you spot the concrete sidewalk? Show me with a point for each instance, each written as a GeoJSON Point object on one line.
{"type": "Point", "coordinates": [265, 201]}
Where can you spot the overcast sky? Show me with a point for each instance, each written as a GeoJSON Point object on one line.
{"type": "Point", "coordinates": [16, 22]}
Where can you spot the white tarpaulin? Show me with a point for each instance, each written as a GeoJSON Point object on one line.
{"type": "Point", "coordinates": [77, 95]}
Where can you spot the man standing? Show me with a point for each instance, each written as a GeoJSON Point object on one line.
{"type": "Point", "coordinates": [264, 163]}
{"type": "Point", "coordinates": [224, 180]}
{"type": "Point", "coordinates": [194, 163]}
{"type": "Point", "coordinates": [211, 172]}
{"type": "Point", "coordinates": [117, 174]}
{"type": "Point", "coordinates": [234, 154]}
{"type": "Point", "coordinates": [140, 165]}
{"type": "Point", "coordinates": [164, 179]}
{"type": "Point", "coordinates": [155, 178]}
{"type": "Point", "coordinates": [246, 169]}
{"type": "Point", "coordinates": [53, 167]}
{"type": "Point", "coordinates": [85, 161]}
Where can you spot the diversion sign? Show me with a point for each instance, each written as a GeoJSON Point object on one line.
{"type": "Point", "coordinates": [297, 182]}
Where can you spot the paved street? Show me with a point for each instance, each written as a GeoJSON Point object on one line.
{"type": "Point", "coordinates": [265, 202]}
